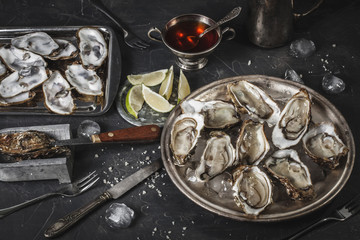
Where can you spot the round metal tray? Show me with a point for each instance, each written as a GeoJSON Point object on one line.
{"type": "Point", "coordinates": [327, 183]}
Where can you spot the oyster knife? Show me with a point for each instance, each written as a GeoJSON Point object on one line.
{"type": "Point", "coordinates": [114, 192]}
{"type": "Point", "coordinates": [145, 133]}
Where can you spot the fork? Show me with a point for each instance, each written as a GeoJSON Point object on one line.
{"type": "Point", "coordinates": [347, 210]}
{"type": "Point", "coordinates": [130, 39]}
{"type": "Point", "coordinates": [69, 190]}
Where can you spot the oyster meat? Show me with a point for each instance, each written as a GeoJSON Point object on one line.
{"type": "Point", "coordinates": [17, 59]}
{"type": "Point", "coordinates": [323, 144]}
{"type": "Point", "coordinates": [18, 99]}
{"type": "Point", "coordinates": [23, 81]}
{"type": "Point", "coordinates": [66, 50]}
{"type": "Point", "coordinates": [254, 101]}
{"type": "Point", "coordinates": [57, 94]}
{"type": "Point", "coordinates": [286, 166]}
{"type": "Point", "coordinates": [219, 154]}
{"type": "Point", "coordinates": [293, 122]}
{"type": "Point", "coordinates": [253, 189]}
{"type": "Point", "coordinates": [29, 145]}
{"type": "Point", "coordinates": [251, 145]}
{"type": "Point", "coordinates": [184, 135]}
{"type": "Point", "coordinates": [92, 46]}
{"type": "Point", "coordinates": [217, 114]}
{"type": "Point", "coordinates": [38, 42]}
{"type": "Point", "coordinates": [85, 81]}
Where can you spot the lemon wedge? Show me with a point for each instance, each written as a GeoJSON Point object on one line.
{"type": "Point", "coordinates": [134, 100]}
{"type": "Point", "coordinates": [148, 79]}
{"type": "Point", "coordinates": [167, 85]}
{"type": "Point", "coordinates": [156, 101]}
{"type": "Point", "coordinates": [183, 87]}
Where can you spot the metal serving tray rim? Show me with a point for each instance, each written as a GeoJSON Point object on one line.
{"type": "Point", "coordinates": [113, 73]}
{"type": "Point", "coordinates": [182, 185]}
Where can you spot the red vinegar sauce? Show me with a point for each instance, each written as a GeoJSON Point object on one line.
{"type": "Point", "coordinates": [176, 36]}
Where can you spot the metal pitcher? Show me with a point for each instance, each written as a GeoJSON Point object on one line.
{"type": "Point", "coordinates": [270, 22]}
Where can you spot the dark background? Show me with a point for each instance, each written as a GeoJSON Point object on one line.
{"type": "Point", "coordinates": [162, 211]}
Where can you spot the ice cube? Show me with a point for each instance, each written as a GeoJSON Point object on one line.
{"type": "Point", "coordinates": [118, 215]}
{"type": "Point", "coordinates": [293, 76]}
{"type": "Point", "coordinates": [88, 128]}
{"type": "Point", "coordinates": [332, 84]}
{"type": "Point", "coordinates": [302, 48]}
{"type": "Point", "coordinates": [222, 185]}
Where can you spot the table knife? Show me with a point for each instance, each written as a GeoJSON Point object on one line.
{"type": "Point", "coordinates": [145, 133]}
{"type": "Point", "coordinates": [114, 192]}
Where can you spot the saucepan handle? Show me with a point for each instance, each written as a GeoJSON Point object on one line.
{"type": "Point", "coordinates": [316, 5]}
{"type": "Point", "coordinates": [230, 31]}
{"type": "Point", "coordinates": [154, 38]}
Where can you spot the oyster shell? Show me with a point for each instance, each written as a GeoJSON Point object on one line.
{"type": "Point", "coordinates": [85, 81]}
{"type": "Point", "coordinates": [218, 155]}
{"type": "Point", "coordinates": [38, 42]}
{"type": "Point", "coordinates": [217, 114]}
{"type": "Point", "coordinates": [254, 101]}
{"type": "Point", "coordinates": [66, 50]}
{"type": "Point", "coordinates": [17, 59]}
{"type": "Point", "coordinates": [57, 94]}
{"type": "Point", "coordinates": [92, 46]}
{"type": "Point", "coordinates": [18, 99]}
{"type": "Point", "coordinates": [184, 135]}
{"type": "Point", "coordinates": [23, 81]}
{"type": "Point", "coordinates": [293, 122]}
{"type": "Point", "coordinates": [253, 189]}
{"type": "Point", "coordinates": [251, 145]}
{"type": "Point", "coordinates": [29, 145]}
{"type": "Point", "coordinates": [286, 166]}
{"type": "Point", "coordinates": [3, 69]}
{"type": "Point", "coordinates": [323, 144]}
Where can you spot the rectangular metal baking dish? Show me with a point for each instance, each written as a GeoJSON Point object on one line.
{"type": "Point", "coordinates": [85, 107]}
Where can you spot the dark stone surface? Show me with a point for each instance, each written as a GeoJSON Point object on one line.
{"type": "Point", "coordinates": [162, 211]}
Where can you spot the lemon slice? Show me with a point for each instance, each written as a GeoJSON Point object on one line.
{"type": "Point", "coordinates": [183, 87]}
{"type": "Point", "coordinates": [148, 79]}
{"type": "Point", "coordinates": [134, 100]}
{"type": "Point", "coordinates": [167, 85]}
{"type": "Point", "coordinates": [155, 100]}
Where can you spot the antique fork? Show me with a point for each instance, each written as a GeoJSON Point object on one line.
{"type": "Point", "coordinates": [347, 210]}
{"type": "Point", "coordinates": [130, 39]}
{"type": "Point", "coordinates": [69, 190]}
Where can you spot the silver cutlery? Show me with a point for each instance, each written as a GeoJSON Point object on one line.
{"type": "Point", "coordinates": [341, 214]}
{"type": "Point", "coordinates": [61, 225]}
{"type": "Point", "coordinates": [130, 39]}
{"type": "Point", "coordinates": [69, 190]}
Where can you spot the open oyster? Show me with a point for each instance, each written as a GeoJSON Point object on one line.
{"type": "Point", "coordinates": [17, 59]}
{"type": "Point", "coordinates": [253, 189]}
{"type": "Point", "coordinates": [18, 99]}
{"type": "Point", "coordinates": [251, 145]}
{"type": "Point", "coordinates": [293, 122]}
{"type": "Point", "coordinates": [217, 114]}
{"type": "Point", "coordinates": [286, 166]}
{"type": "Point", "coordinates": [57, 94]}
{"type": "Point", "coordinates": [219, 154]}
{"type": "Point", "coordinates": [184, 135]}
{"type": "Point", "coordinates": [29, 145]}
{"type": "Point", "coordinates": [66, 50]}
{"type": "Point", "coordinates": [23, 81]}
{"type": "Point", "coordinates": [323, 144]}
{"type": "Point", "coordinates": [85, 81]}
{"type": "Point", "coordinates": [254, 101]}
{"type": "Point", "coordinates": [92, 46]}
{"type": "Point", "coordinates": [37, 42]}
